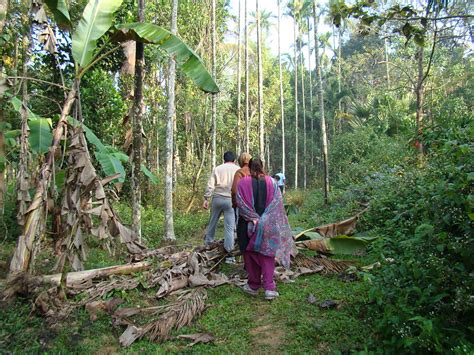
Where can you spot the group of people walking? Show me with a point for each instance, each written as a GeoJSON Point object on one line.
{"type": "Point", "coordinates": [252, 204]}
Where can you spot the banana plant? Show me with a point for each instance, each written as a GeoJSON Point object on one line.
{"type": "Point", "coordinates": [96, 21]}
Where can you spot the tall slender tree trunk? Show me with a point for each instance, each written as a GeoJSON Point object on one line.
{"type": "Point", "coordinates": [295, 35]}
{"type": "Point", "coordinates": [261, 123]}
{"type": "Point", "coordinates": [303, 104]}
{"type": "Point", "coordinates": [339, 77]}
{"type": "Point", "coordinates": [3, 14]}
{"type": "Point", "coordinates": [420, 98]}
{"type": "Point", "coordinates": [171, 117]}
{"type": "Point", "coordinates": [282, 107]}
{"type": "Point", "coordinates": [214, 96]}
{"type": "Point", "coordinates": [311, 114]}
{"type": "Point", "coordinates": [239, 85]}
{"type": "Point", "coordinates": [319, 82]}
{"type": "Point", "coordinates": [247, 99]}
{"type": "Point", "coordinates": [138, 110]}
{"type": "Point", "coordinates": [387, 68]}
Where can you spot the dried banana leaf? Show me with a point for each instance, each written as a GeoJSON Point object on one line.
{"type": "Point", "coordinates": [330, 265]}
{"type": "Point", "coordinates": [345, 227]}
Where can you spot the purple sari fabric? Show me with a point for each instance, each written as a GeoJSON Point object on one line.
{"type": "Point", "coordinates": [271, 234]}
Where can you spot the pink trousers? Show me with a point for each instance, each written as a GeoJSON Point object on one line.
{"type": "Point", "coordinates": [260, 269]}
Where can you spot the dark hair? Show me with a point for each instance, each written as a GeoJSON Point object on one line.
{"type": "Point", "coordinates": [276, 177]}
{"type": "Point", "coordinates": [229, 156]}
{"type": "Point", "coordinates": [256, 168]}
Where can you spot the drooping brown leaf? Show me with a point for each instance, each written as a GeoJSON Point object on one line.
{"type": "Point", "coordinates": [108, 306]}
{"type": "Point", "coordinates": [48, 39]}
{"type": "Point", "coordinates": [84, 197]}
{"type": "Point", "coordinates": [330, 265]}
{"type": "Point", "coordinates": [128, 66]}
{"type": "Point", "coordinates": [198, 338]}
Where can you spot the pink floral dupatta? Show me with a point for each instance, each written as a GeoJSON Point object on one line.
{"type": "Point", "coordinates": [271, 236]}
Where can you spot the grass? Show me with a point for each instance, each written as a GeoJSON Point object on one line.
{"type": "Point", "coordinates": [239, 322]}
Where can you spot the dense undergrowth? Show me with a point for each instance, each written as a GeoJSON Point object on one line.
{"type": "Point", "coordinates": [422, 211]}
{"type": "Point", "coordinates": [424, 217]}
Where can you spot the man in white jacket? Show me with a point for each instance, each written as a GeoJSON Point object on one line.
{"type": "Point", "coordinates": [219, 188]}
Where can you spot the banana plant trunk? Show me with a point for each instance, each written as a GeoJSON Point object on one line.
{"type": "Point", "coordinates": [22, 178]}
{"type": "Point", "coordinates": [321, 108]}
{"type": "Point", "coordinates": [169, 221]}
{"type": "Point", "coordinates": [36, 213]}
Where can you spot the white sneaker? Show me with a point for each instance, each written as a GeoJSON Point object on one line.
{"type": "Point", "coordinates": [249, 290]}
{"type": "Point", "coordinates": [230, 260]}
{"type": "Point", "coordinates": [270, 295]}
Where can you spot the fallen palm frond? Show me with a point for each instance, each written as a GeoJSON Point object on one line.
{"type": "Point", "coordinates": [329, 265]}
{"type": "Point", "coordinates": [174, 316]}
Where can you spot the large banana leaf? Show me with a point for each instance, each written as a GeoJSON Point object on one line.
{"type": "Point", "coordinates": [109, 158]}
{"type": "Point", "coordinates": [17, 105]}
{"type": "Point", "coordinates": [188, 61]}
{"type": "Point", "coordinates": [95, 22]}
{"type": "Point", "coordinates": [60, 12]}
{"type": "Point", "coordinates": [149, 174]}
{"type": "Point", "coordinates": [40, 136]}
{"type": "Point", "coordinates": [111, 165]}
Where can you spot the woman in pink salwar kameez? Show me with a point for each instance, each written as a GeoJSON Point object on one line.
{"type": "Point", "coordinates": [267, 235]}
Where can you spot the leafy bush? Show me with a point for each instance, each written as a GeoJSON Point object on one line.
{"type": "Point", "coordinates": [359, 153]}
{"type": "Point", "coordinates": [423, 295]}
{"type": "Point", "coordinates": [9, 228]}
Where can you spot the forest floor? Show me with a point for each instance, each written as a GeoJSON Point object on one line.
{"type": "Point", "coordinates": [239, 322]}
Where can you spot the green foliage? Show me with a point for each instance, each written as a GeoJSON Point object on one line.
{"type": "Point", "coordinates": [424, 297]}
{"type": "Point", "coordinates": [40, 136]}
{"type": "Point", "coordinates": [110, 165]}
{"type": "Point", "coordinates": [95, 22]}
{"type": "Point", "coordinates": [60, 12]}
{"type": "Point", "coordinates": [103, 107]}
{"type": "Point", "coordinates": [188, 62]}
{"type": "Point", "coordinates": [358, 154]}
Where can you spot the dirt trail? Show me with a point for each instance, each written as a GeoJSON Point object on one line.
{"type": "Point", "coordinates": [268, 336]}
